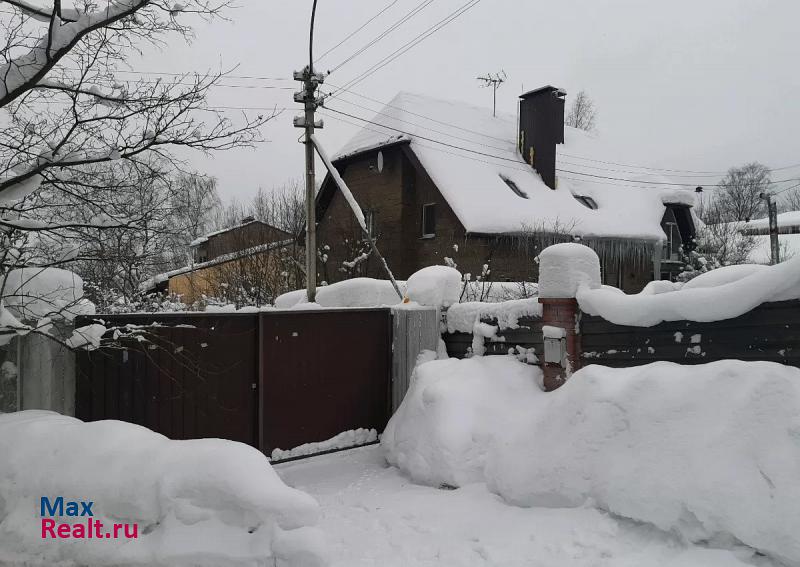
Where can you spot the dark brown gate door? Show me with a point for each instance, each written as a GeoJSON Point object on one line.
{"type": "Point", "coordinates": [322, 373]}
{"type": "Point", "coordinates": [194, 377]}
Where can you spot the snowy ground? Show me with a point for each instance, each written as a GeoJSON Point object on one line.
{"type": "Point", "coordinates": [372, 515]}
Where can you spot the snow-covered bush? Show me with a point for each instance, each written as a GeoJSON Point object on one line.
{"type": "Point", "coordinates": [711, 452]}
{"type": "Point", "coordinates": [435, 286]}
{"type": "Point", "coordinates": [204, 502]}
{"type": "Point", "coordinates": [34, 293]}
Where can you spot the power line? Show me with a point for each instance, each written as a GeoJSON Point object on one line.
{"type": "Point", "coordinates": [414, 42]}
{"type": "Point", "coordinates": [226, 75]}
{"type": "Point", "coordinates": [786, 189]}
{"type": "Point", "coordinates": [409, 15]}
{"type": "Point", "coordinates": [471, 158]}
{"type": "Point", "coordinates": [354, 32]}
{"type": "Point", "coordinates": [692, 173]}
{"type": "Point", "coordinates": [503, 158]}
{"type": "Point", "coordinates": [494, 147]}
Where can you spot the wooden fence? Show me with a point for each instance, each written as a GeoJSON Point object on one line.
{"type": "Point", "coordinates": [770, 332]}
{"type": "Point", "coordinates": [527, 335]}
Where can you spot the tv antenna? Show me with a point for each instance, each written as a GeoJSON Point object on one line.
{"type": "Point", "coordinates": [494, 81]}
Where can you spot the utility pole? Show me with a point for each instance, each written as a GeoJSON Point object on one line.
{"type": "Point", "coordinates": [772, 209]}
{"type": "Point", "coordinates": [493, 81]}
{"type": "Point", "coordinates": [308, 98]}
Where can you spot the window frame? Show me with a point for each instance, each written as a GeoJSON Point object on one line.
{"type": "Point", "coordinates": [425, 208]}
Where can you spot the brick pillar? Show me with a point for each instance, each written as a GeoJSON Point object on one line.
{"type": "Point", "coordinates": [564, 313]}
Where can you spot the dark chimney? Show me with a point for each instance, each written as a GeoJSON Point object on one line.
{"type": "Point", "coordinates": [541, 127]}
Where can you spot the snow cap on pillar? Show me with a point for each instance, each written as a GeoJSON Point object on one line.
{"type": "Point", "coordinates": [564, 268]}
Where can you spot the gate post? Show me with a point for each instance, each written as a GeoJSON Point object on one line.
{"type": "Point", "coordinates": [563, 270]}
{"type": "Point", "coordinates": [560, 325]}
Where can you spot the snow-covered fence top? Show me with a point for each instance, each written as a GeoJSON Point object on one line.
{"type": "Point", "coordinates": [494, 328]}
{"type": "Point", "coordinates": [724, 293]}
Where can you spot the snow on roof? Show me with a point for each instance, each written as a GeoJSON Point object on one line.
{"type": "Point", "coordinates": [790, 218]}
{"type": "Point", "coordinates": [789, 246]}
{"type": "Point", "coordinates": [150, 283]}
{"type": "Point", "coordinates": [201, 239]}
{"type": "Point", "coordinates": [479, 187]}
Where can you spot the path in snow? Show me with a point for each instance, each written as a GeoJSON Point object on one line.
{"type": "Point", "coordinates": [373, 515]}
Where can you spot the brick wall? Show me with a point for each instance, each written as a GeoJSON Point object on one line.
{"type": "Point", "coordinates": [396, 196]}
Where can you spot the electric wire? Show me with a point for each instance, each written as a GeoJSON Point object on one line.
{"type": "Point", "coordinates": [354, 32]}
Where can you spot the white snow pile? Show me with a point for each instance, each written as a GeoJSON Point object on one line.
{"type": "Point", "coordinates": [35, 293]}
{"type": "Point", "coordinates": [87, 337]}
{"type": "Point", "coordinates": [343, 440]}
{"type": "Point", "coordinates": [455, 413]}
{"type": "Point", "coordinates": [204, 502]}
{"type": "Point", "coordinates": [724, 275]}
{"type": "Point", "coordinates": [356, 292]}
{"type": "Point", "coordinates": [462, 317]}
{"type": "Point", "coordinates": [435, 286]}
{"type": "Point", "coordinates": [720, 294]}
{"type": "Point", "coordinates": [709, 452]}
{"type": "Point", "coordinates": [566, 267]}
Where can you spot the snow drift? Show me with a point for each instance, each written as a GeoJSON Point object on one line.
{"type": "Point", "coordinates": [454, 413]}
{"type": "Point", "coordinates": [203, 502]}
{"type": "Point", "coordinates": [711, 452]}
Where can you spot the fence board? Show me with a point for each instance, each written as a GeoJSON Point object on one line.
{"type": "Point", "coordinates": [527, 335]}
{"type": "Point", "coordinates": [769, 332]}
{"type": "Point", "coordinates": [172, 389]}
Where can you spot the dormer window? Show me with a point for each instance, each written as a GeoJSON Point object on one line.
{"type": "Point", "coordinates": [514, 187]}
{"type": "Point", "coordinates": [587, 202]}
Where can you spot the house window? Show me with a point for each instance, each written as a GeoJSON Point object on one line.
{"type": "Point", "coordinates": [429, 220]}
{"type": "Point", "coordinates": [369, 220]}
{"type": "Point", "coordinates": [672, 243]}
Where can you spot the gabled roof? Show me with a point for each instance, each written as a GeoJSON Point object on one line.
{"type": "Point", "coordinates": [151, 283]}
{"type": "Point", "coordinates": [478, 170]}
{"type": "Point", "coordinates": [205, 238]}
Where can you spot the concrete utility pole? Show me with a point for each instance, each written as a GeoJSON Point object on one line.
{"type": "Point", "coordinates": [307, 96]}
{"type": "Point", "coordinates": [493, 81]}
{"type": "Point", "coordinates": [772, 209]}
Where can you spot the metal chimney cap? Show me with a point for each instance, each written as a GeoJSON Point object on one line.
{"type": "Point", "coordinates": [546, 89]}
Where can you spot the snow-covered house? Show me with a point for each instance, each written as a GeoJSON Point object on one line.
{"type": "Point", "coordinates": [446, 182]}
{"type": "Point", "coordinates": [247, 234]}
{"type": "Point", "coordinates": [788, 237]}
{"type": "Point", "coordinates": [251, 254]}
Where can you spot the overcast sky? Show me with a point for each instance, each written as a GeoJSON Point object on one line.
{"type": "Point", "coordinates": [684, 84]}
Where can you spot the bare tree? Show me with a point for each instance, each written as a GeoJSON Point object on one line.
{"type": "Point", "coordinates": [582, 114]}
{"type": "Point", "coordinates": [738, 197]}
{"type": "Point", "coordinates": [791, 201]}
{"type": "Point", "coordinates": [71, 124]}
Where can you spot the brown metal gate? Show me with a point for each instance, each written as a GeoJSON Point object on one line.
{"type": "Point", "coordinates": [276, 379]}
{"type": "Point", "coordinates": [195, 377]}
{"type": "Point", "coordinates": [323, 372]}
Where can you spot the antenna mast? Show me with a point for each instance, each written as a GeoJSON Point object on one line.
{"type": "Point", "coordinates": [494, 81]}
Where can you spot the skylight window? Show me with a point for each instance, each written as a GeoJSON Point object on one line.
{"type": "Point", "coordinates": [513, 186]}
{"type": "Point", "coordinates": [587, 202]}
